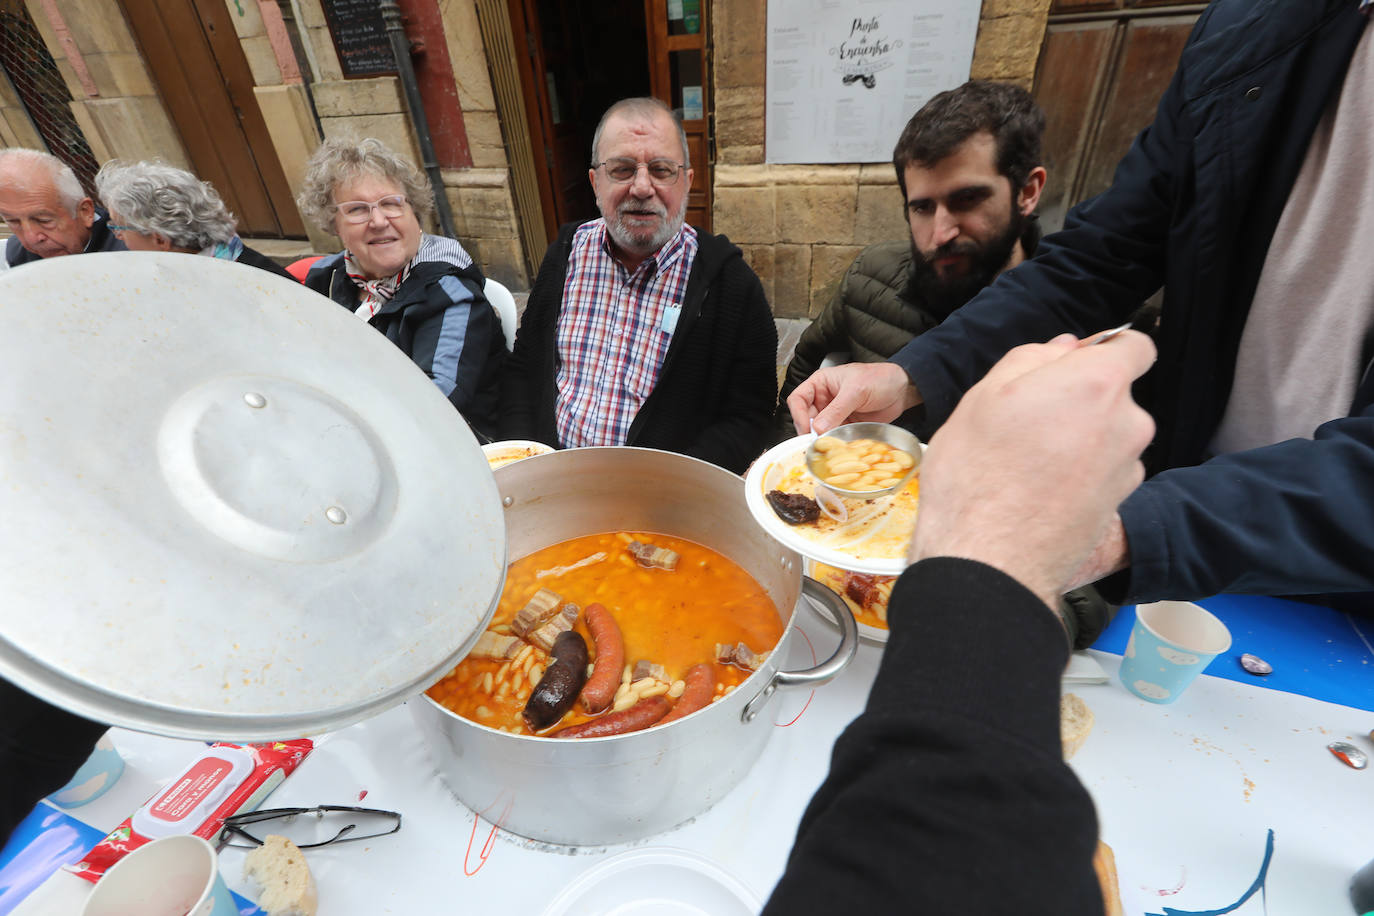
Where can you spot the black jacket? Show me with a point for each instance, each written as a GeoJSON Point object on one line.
{"type": "Point", "coordinates": [262, 262]}
{"type": "Point", "coordinates": [441, 319]}
{"type": "Point", "coordinates": [102, 239]}
{"type": "Point", "coordinates": [949, 794]}
{"type": "Point", "coordinates": [715, 393]}
{"type": "Point", "coordinates": [1193, 207]}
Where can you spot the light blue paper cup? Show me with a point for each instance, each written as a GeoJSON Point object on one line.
{"type": "Point", "coordinates": [173, 876]}
{"type": "Point", "coordinates": [1171, 643]}
{"type": "Point", "coordinates": [94, 779]}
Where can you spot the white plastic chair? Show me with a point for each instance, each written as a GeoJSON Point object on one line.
{"type": "Point", "coordinates": [504, 303]}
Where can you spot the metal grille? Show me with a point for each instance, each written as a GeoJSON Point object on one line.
{"type": "Point", "coordinates": [32, 72]}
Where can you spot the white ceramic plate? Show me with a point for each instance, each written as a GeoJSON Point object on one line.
{"type": "Point", "coordinates": [656, 881]}
{"type": "Point", "coordinates": [508, 450]}
{"type": "Point", "coordinates": [867, 632]}
{"type": "Point", "coordinates": [888, 530]}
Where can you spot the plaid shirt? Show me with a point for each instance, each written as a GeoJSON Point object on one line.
{"type": "Point", "coordinates": [613, 332]}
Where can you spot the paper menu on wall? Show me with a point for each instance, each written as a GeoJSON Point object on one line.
{"type": "Point", "coordinates": [844, 77]}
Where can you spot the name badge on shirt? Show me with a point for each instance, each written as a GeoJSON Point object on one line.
{"type": "Point", "coordinates": [668, 323]}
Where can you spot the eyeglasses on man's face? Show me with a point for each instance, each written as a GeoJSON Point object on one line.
{"type": "Point", "coordinates": [306, 827]}
{"type": "Point", "coordinates": [360, 211]}
{"type": "Point", "coordinates": [662, 172]}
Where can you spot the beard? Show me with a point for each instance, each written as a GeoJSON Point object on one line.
{"type": "Point", "coordinates": [985, 260]}
{"type": "Point", "coordinates": [641, 241]}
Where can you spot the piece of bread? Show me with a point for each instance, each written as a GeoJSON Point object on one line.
{"type": "Point", "coordinates": [1075, 721]}
{"type": "Point", "coordinates": [1104, 863]}
{"type": "Point", "coordinates": [279, 869]}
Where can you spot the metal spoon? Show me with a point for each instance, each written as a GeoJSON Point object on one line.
{"type": "Point", "coordinates": [1107, 335]}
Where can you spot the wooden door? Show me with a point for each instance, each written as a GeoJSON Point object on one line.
{"type": "Point", "coordinates": [576, 60]}
{"type": "Point", "coordinates": [1102, 70]}
{"type": "Point", "coordinates": [200, 71]}
{"type": "Point", "coordinates": [679, 54]}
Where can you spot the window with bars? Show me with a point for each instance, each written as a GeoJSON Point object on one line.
{"type": "Point", "coordinates": [33, 73]}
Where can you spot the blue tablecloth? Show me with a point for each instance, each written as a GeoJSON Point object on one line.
{"type": "Point", "coordinates": [1316, 651]}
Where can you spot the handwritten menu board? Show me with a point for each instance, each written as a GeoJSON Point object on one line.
{"type": "Point", "coordinates": [360, 37]}
{"type": "Point", "coordinates": [844, 76]}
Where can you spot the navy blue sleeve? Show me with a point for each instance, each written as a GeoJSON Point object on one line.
{"type": "Point", "coordinates": [1107, 260]}
{"type": "Point", "coordinates": [1293, 518]}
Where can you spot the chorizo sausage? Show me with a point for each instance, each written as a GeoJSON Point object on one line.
{"type": "Point", "coordinates": [600, 688]}
{"type": "Point", "coordinates": [695, 695]}
{"type": "Point", "coordinates": [638, 717]}
{"type": "Point", "coordinates": [557, 690]}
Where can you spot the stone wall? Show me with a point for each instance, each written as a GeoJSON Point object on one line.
{"type": "Point", "coordinates": [123, 117]}
{"type": "Point", "coordinates": [800, 226]}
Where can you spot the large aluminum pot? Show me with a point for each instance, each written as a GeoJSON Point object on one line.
{"type": "Point", "coordinates": [598, 791]}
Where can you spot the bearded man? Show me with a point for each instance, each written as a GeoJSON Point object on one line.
{"type": "Point", "coordinates": [640, 330]}
{"type": "Point", "coordinates": [968, 166]}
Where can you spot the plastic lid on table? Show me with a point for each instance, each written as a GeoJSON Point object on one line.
{"type": "Point", "coordinates": [232, 510]}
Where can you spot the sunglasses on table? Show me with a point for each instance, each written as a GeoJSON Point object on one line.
{"type": "Point", "coordinates": [307, 827]}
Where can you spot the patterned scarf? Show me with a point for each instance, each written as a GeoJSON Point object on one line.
{"type": "Point", "coordinates": [374, 293]}
{"type": "Point", "coordinates": [225, 251]}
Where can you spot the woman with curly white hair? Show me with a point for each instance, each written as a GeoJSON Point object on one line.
{"type": "Point", "coordinates": [422, 291]}
{"type": "Point", "coordinates": [157, 207]}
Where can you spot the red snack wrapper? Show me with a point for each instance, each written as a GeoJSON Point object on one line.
{"type": "Point", "coordinates": [226, 779]}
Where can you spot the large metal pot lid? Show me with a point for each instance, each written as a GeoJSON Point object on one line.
{"type": "Point", "coordinates": [228, 508]}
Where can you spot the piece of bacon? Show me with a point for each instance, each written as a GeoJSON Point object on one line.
{"type": "Point", "coordinates": [560, 622]}
{"type": "Point", "coordinates": [536, 612]}
{"type": "Point", "coordinates": [739, 655]}
{"type": "Point", "coordinates": [498, 646]}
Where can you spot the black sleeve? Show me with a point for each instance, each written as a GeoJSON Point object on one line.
{"type": "Point", "coordinates": [528, 370]}
{"type": "Point", "coordinates": [949, 793]}
{"type": "Point", "coordinates": [741, 428]}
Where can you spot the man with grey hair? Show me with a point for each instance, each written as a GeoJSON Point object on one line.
{"type": "Point", "coordinates": [640, 330]}
{"type": "Point", "coordinates": [46, 210]}
{"type": "Point", "coordinates": [158, 207]}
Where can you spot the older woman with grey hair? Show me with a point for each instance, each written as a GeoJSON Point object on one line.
{"type": "Point", "coordinates": [157, 207]}
{"type": "Point", "coordinates": [422, 291]}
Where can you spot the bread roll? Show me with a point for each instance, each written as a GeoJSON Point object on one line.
{"type": "Point", "coordinates": [287, 886]}
{"type": "Point", "coordinates": [1075, 721]}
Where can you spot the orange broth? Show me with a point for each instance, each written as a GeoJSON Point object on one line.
{"type": "Point", "coordinates": [672, 618]}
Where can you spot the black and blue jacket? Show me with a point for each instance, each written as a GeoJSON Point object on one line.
{"type": "Point", "coordinates": [441, 319]}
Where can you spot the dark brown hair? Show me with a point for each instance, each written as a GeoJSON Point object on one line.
{"type": "Point", "coordinates": [1007, 112]}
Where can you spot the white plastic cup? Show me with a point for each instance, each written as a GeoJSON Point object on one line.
{"type": "Point", "coordinates": [173, 876]}
{"type": "Point", "coordinates": [1171, 643]}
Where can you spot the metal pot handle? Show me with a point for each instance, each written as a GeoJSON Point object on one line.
{"type": "Point", "coordinates": [826, 671]}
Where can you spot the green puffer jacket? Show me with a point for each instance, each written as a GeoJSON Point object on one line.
{"type": "Point", "coordinates": [867, 316]}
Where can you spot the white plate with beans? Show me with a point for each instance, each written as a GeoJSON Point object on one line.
{"type": "Point", "coordinates": [873, 536]}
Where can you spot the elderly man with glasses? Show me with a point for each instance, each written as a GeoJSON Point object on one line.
{"type": "Point", "coordinates": [640, 330]}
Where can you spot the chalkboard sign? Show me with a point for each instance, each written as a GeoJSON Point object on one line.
{"type": "Point", "coordinates": [360, 37]}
